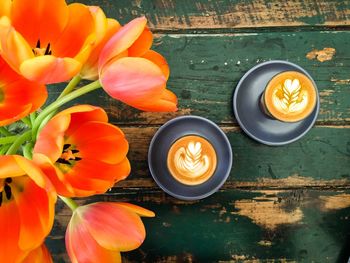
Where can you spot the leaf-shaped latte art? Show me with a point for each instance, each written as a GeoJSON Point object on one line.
{"type": "Point", "coordinates": [292, 99]}
{"type": "Point", "coordinates": [190, 160]}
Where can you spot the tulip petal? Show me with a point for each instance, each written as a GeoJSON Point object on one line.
{"type": "Point", "coordinates": [137, 209]}
{"type": "Point", "coordinates": [90, 176]}
{"type": "Point", "coordinates": [9, 167]}
{"type": "Point", "coordinates": [14, 48]}
{"type": "Point", "coordinates": [5, 8]}
{"type": "Point", "coordinates": [36, 213]}
{"type": "Point", "coordinates": [82, 247]}
{"type": "Point", "coordinates": [39, 19]}
{"type": "Point", "coordinates": [19, 95]}
{"type": "Point", "coordinates": [75, 29]}
{"type": "Point", "coordinates": [39, 255]}
{"type": "Point", "coordinates": [159, 60]}
{"type": "Point", "coordinates": [167, 103]}
{"type": "Point", "coordinates": [9, 229]}
{"type": "Point", "coordinates": [107, 139]}
{"type": "Point", "coordinates": [51, 138]}
{"type": "Point", "coordinates": [142, 44]}
{"type": "Point", "coordinates": [114, 227]}
{"type": "Point", "coordinates": [82, 113]}
{"type": "Point", "coordinates": [50, 69]}
{"type": "Point", "coordinates": [90, 68]}
{"type": "Point", "coordinates": [122, 40]}
{"type": "Point", "coordinates": [133, 80]}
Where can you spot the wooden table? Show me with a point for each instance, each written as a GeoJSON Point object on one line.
{"type": "Point", "coordinates": [289, 203]}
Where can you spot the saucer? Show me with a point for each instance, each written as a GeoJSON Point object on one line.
{"type": "Point", "coordinates": [253, 121]}
{"type": "Point", "coordinates": [171, 132]}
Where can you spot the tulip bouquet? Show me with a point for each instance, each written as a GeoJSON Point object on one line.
{"type": "Point", "coordinates": [47, 152]}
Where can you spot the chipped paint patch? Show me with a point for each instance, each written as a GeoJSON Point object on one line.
{"type": "Point", "coordinates": [335, 202]}
{"type": "Point", "coordinates": [321, 55]}
{"type": "Point", "coordinates": [265, 243]}
{"type": "Point", "coordinates": [340, 81]}
{"type": "Point", "coordinates": [267, 212]}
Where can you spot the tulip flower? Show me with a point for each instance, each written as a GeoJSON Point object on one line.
{"type": "Point", "coordinates": [98, 232]}
{"type": "Point", "coordinates": [81, 153]}
{"type": "Point", "coordinates": [18, 96]}
{"type": "Point", "coordinates": [108, 29]}
{"type": "Point", "coordinates": [38, 255]}
{"type": "Point", "coordinates": [27, 201]}
{"type": "Point", "coordinates": [46, 40]}
{"type": "Point", "coordinates": [132, 73]}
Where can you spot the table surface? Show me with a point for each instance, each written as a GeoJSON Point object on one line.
{"type": "Point", "coordinates": [289, 203]}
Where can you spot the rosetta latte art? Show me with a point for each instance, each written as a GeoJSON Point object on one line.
{"type": "Point", "coordinates": [291, 97]}
{"type": "Point", "coordinates": [191, 161]}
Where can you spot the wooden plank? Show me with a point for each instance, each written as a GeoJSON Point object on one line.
{"type": "Point", "coordinates": [274, 226]}
{"type": "Point", "coordinates": [320, 159]}
{"type": "Point", "coordinates": [203, 14]}
{"type": "Point", "coordinates": [206, 68]}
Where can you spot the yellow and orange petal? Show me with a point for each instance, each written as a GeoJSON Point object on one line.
{"type": "Point", "coordinates": [106, 228]}
{"type": "Point", "coordinates": [39, 255]}
{"type": "Point", "coordinates": [120, 42]}
{"type": "Point", "coordinates": [81, 152]}
{"type": "Point", "coordinates": [18, 96]}
{"type": "Point", "coordinates": [45, 41]}
{"type": "Point", "coordinates": [90, 67]}
{"type": "Point", "coordinates": [26, 208]}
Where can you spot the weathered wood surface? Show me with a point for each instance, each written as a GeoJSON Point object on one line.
{"type": "Point", "coordinates": [205, 69]}
{"type": "Point", "coordinates": [227, 14]}
{"type": "Point", "coordinates": [235, 225]}
{"type": "Point", "coordinates": [257, 165]}
{"type": "Point", "coordinates": [280, 204]}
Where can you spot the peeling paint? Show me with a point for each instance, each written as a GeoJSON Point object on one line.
{"type": "Point", "coordinates": [321, 55]}
{"type": "Point", "coordinates": [268, 212]}
{"type": "Point", "coordinates": [335, 202]}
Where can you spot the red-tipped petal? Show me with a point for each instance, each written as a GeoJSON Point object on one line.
{"type": "Point", "coordinates": [133, 80]}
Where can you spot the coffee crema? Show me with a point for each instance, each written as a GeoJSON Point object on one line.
{"type": "Point", "coordinates": [290, 96]}
{"type": "Point", "coordinates": [191, 160]}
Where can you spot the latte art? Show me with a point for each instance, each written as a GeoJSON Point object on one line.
{"type": "Point", "coordinates": [191, 160]}
{"type": "Point", "coordinates": [289, 96]}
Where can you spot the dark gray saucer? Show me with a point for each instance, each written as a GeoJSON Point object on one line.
{"type": "Point", "coordinates": [171, 132]}
{"type": "Point", "coordinates": [249, 115]}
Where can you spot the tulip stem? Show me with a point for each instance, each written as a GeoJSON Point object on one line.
{"type": "Point", "coordinates": [8, 139]}
{"type": "Point", "coordinates": [5, 132]}
{"type": "Point", "coordinates": [27, 121]}
{"type": "Point", "coordinates": [18, 142]}
{"type": "Point", "coordinates": [32, 117]}
{"type": "Point", "coordinates": [71, 85]}
{"type": "Point", "coordinates": [69, 202]}
{"type": "Point", "coordinates": [27, 150]}
{"type": "Point", "coordinates": [59, 102]}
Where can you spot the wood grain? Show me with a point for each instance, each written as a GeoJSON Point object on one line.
{"type": "Point", "coordinates": [234, 14]}
{"type": "Point", "coordinates": [304, 163]}
{"type": "Point", "coordinates": [205, 70]}
{"type": "Point", "coordinates": [297, 225]}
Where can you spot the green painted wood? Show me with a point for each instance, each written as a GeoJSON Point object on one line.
{"type": "Point", "coordinates": [205, 69]}
{"type": "Point", "coordinates": [321, 157]}
{"type": "Point", "coordinates": [203, 14]}
{"type": "Point", "coordinates": [301, 225]}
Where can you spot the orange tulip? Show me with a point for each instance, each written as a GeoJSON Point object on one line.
{"type": "Point", "coordinates": [129, 71]}
{"type": "Point", "coordinates": [18, 96]}
{"type": "Point", "coordinates": [27, 202]}
{"type": "Point", "coordinates": [81, 152]}
{"type": "Point", "coordinates": [45, 40]}
{"type": "Point", "coordinates": [98, 232]}
{"type": "Point", "coordinates": [107, 29]}
{"type": "Point", "coordinates": [38, 255]}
